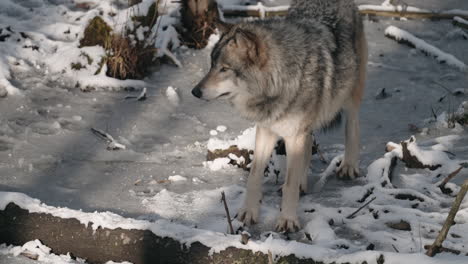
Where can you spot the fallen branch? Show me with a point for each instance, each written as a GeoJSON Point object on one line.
{"type": "Point", "coordinates": [228, 216]}
{"type": "Point", "coordinates": [262, 11]}
{"type": "Point", "coordinates": [140, 97]}
{"type": "Point", "coordinates": [351, 216]}
{"type": "Point", "coordinates": [448, 178]}
{"type": "Point", "coordinates": [404, 37]}
{"type": "Point", "coordinates": [437, 245]}
{"type": "Point", "coordinates": [444, 249]}
{"type": "Point", "coordinates": [460, 22]}
{"type": "Point", "coordinates": [112, 144]}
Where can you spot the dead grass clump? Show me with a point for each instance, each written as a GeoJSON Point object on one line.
{"type": "Point", "coordinates": [198, 19]}
{"type": "Point", "coordinates": [125, 60]}
{"type": "Point", "coordinates": [97, 32]}
{"type": "Point", "coordinates": [129, 54]}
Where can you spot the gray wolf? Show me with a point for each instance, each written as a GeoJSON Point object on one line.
{"type": "Point", "coordinates": [291, 76]}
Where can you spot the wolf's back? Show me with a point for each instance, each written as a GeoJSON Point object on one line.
{"type": "Point", "coordinates": [328, 12]}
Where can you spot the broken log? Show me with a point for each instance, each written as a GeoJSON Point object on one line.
{"type": "Point", "coordinates": [198, 19]}
{"type": "Point", "coordinates": [411, 161]}
{"type": "Point", "coordinates": [18, 226]}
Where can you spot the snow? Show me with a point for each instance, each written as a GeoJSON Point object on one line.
{"type": "Point", "coordinates": [460, 20]}
{"type": "Point", "coordinates": [54, 47]}
{"type": "Point", "coordinates": [218, 164]}
{"type": "Point", "coordinates": [48, 152]}
{"type": "Point", "coordinates": [176, 178]}
{"type": "Point", "coordinates": [420, 44]}
{"type": "Point", "coordinates": [43, 253]}
{"type": "Point", "coordinates": [221, 128]}
{"type": "Point", "coordinates": [172, 95]}
{"type": "Point", "coordinates": [244, 141]}
{"type": "Point", "coordinates": [165, 202]}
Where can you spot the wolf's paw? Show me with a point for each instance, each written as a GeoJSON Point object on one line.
{"type": "Point", "coordinates": [248, 216]}
{"type": "Point", "coordinates": [287, 224]}
{"type": "Point", "coordinates": [347, 172]}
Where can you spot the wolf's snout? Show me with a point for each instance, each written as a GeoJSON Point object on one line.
{"type": "Point", "coordinates": [197, 92]}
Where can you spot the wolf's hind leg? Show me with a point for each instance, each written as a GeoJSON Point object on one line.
{"type": "Point", "coordinates": [265, 141]}
{"type": "Point", "coordinates": [298, 158]}
{"type": "Point", "coordinates": [349, 165]}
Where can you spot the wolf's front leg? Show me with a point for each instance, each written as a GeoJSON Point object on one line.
{"type": "Point", "coordinates": [265, 141]}
{"type": "Point", "coordinates": [297, 164]}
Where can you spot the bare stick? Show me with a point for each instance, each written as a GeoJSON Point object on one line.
{"type": "Point", "coordinates": [223, 199]}
{"type": "Point", "coordinates": [436, 246]}
{"type": "Point", "coordinates": [270, 258]}
{"type": "Point", "coordinates": [351, 216]}
{"type": "Point", "coordinates": [112, 144]}
{"type": "Point", "coordinates": [241, 11]}
{"type": "Point", "coordinates": [449, 177]}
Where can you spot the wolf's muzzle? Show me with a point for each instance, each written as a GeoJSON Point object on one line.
{"type": "Point", "coordinates": [197, 92]}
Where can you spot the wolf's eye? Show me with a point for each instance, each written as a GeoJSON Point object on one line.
{"type": "Point", "coordinates": [224, 69]}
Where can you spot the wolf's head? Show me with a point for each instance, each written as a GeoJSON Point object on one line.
{"type": "Point", "coordinates": [235, 64]}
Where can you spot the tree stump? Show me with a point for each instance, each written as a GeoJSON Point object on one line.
{"type": "Point", "coordinates": [198, 19]}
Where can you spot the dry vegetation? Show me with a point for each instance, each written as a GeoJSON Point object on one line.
{"type": "Point", "coordinates": [127, 57]}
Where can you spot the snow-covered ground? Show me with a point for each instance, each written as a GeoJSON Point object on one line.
{"type": "Point", "coordinates": [47, 149]}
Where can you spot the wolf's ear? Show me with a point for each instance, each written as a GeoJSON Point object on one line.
{"type": "Point", "coordinates": [253, 46]}
{"type": "Point", "coordinates": [223, 27]}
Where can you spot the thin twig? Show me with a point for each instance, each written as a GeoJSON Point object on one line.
{"type": "Point", "coordinates": [223, 199]}
{"type": "Point", "coordinates": [320, 155]}
{"type": "Point", "coordinates": [437, 245]}
{"type": "Point", "coordinates": [351, 216]}
{"type": "Point", "coordinates": [396, 250]}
